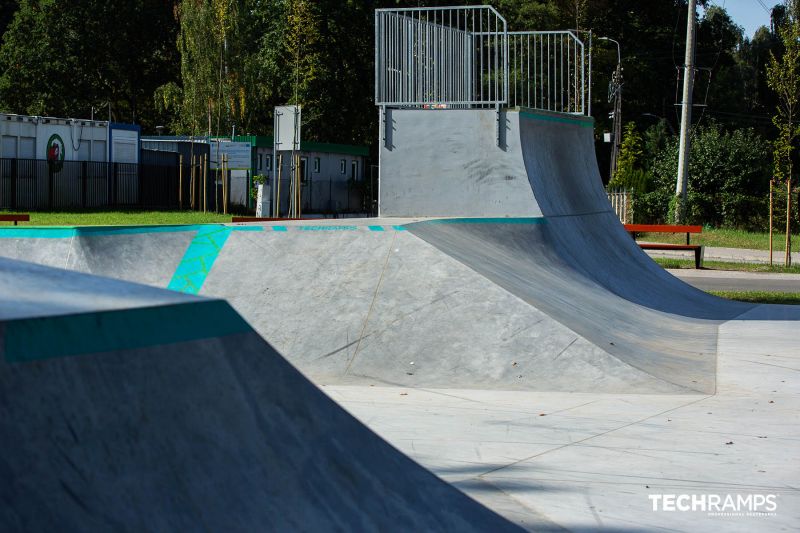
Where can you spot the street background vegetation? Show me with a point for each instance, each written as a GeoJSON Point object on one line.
{"type": "Point", "coordinates": [208, 66]}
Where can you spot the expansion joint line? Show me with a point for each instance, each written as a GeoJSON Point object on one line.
{"type": "Point", "coordinates": [590, 437]}
{"type": "Point", "coordinates": [372, 303]}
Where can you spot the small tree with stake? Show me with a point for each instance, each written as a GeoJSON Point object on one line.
{"type": "Point", "coordinates": [783, 77]}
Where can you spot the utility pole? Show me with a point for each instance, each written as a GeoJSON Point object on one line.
{"type": "Point", "coordinates": [686, 120]}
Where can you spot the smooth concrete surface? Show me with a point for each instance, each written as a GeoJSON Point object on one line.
{"type": "Point", "coordinates": [208, 434]}
{"type": "Point", "coordinates": [590, 462]}
{"type": "Point", "coordinates": [448, 162]}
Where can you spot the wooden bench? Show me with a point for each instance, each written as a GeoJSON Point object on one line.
{"type": "Point", "coordinates": [633, 229]}
{"type": "Point", "coordinates": [15, 218]}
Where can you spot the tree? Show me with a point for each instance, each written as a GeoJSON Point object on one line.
{"type": "Point", "coordinates": [729, 178]}
{"type": "Point", "coordinates": [629, 174]}
{"type": "Point", "coordinates": [62, 59]}
{"type": "Point", "coordinates": [783, 77]}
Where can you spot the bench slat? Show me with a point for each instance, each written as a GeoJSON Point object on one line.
{"type": "Point", "coordinates": [696, 248]}
{"type": "Point", "coordinates": [659, 246]}
{"type": "Point", "coordinates": [15, 218]}
{"type": "Point", "coordinates": [659, 228]}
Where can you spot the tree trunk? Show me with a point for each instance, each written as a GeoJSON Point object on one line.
{"type": "Point", "coordinates": [771, 186]}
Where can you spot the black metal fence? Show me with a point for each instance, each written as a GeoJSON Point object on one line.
{"type": "Point", "coordinates": [37, 185]}
{"type": "Point", "coordinates": [32, 184]}
{"type": "Point", "coordinates": [331, 196]}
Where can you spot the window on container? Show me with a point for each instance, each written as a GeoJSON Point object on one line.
{"type": "Point", "coordinates": [268, 162]}
{"type": "Point", "coordinates": [354, 170]}
{"type": "Point", "coordinates": [260, 161]}
{"type": "Point", "coordinates": [316, 164]}
{"type": "Point", "coordinates": [343, 166]}
{"type": "Point", "coordinates": [303, 168]}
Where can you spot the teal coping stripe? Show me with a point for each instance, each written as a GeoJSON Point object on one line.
{"type": "Point", "coordinates": [327, 228]}
{"type": "Point", "coordinates": [279, 228]}
{"type": "Point", "coordinates": [576, 121]}
{"type": "Point", "coordinates": [399, 228]}
{"type": "Point", "coordinates": [37, 233]}
{"type": "Point", "coordinates": [98, 231]}
{"type": "Point", "coordinates": [537, 220]}
{"type": "Point", "coordinates": [199, 259]}
{"type": "Point", "coordinates": [35, 339]}
{"type": "Point", "coordinates": [375, 228]}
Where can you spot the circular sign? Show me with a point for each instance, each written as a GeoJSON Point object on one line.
{"type": "Point", "coordinates": [55, 152]}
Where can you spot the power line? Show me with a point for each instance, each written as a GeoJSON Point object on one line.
{"type": "Point", "coordinates": [761, 2]}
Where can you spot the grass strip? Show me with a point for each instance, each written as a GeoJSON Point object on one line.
{"type": "Point", "coordinates": [724, 265]}
{"type": "Point", "coordinates": [760, 297]}
{"type": "Point", "coordinates": [722, 238]}
{"type": "Point", "coordinates": [123, 218]}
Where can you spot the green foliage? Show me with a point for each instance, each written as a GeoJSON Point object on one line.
{"type": "Point", "coordinates": [63, 58]}
{"type": "Point", "coordinates": [728, 179]}
{"type": "Point", "coordinates": [629, 174]}
{"type": "Point", "coordinates": [258, 179]}
{"type": "Point", "coordinates": [783, 77]}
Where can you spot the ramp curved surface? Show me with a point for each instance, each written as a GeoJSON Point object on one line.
{"type": "Point", "coordinates": [559, 298]}
{"type": "Point", "coordinates": [130, 408]}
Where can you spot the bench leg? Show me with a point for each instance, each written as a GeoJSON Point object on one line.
{"type": "Point", "coordinates": [698, 257]}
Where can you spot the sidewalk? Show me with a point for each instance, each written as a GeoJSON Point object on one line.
{"type": "Point", "coordinates": [733, 255]}
{"type": "Point", "coordinates": [730, 280]}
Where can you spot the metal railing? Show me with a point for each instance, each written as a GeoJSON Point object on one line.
{"type": "Point", "coordinates": [547, 71]}
{"type": "Point", "coordinates": [621, 201]}
{"type": "Point", "coordinates": [464, 57]}
{"type": "Point", "coordinates": [449, 56]}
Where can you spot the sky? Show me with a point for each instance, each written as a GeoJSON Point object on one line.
{"type": "Point", "coordinates": [748, 14]}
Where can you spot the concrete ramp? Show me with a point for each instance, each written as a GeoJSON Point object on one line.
{"type": "Point", "coordinates": [532, 284]}
{"type": "Point", "coordinates": [129, 408]}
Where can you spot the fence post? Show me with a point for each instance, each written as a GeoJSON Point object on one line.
{"type": "Point", "coordinates": [114, 183]}
{"type": "Point", "coordinates": [14, 177]}
{"type": "Point", "coordinates": [180, 182]}
{"type": "Point", "coordinates": [49, 186]}
{"type": "Point", "coordinates": [205, 183]}
{"type": "Point", "coordinates": [84, 179]}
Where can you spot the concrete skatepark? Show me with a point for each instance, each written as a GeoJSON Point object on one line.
{"type": "Point", "coordinates": [535, 359]}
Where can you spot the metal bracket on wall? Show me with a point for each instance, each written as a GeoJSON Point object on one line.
{"type": "Point", "coordinates": [498, 131]}
{"type": "Point", "coordinates": [384, 136]}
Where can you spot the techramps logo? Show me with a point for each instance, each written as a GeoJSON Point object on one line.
{"type": "Point", "coordinates": [55, 153]}
{"type": "Point", "coordinates": [727, 505]}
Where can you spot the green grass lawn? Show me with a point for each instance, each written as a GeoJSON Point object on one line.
{"type": "Point", "coordinates": [722, 265]}
{"type": "Point", "coordinates": [723, 238]}
{"type": "Point", "coordinates": [761, 297]}
{"type": "Point", "coordinates": [121, 218]}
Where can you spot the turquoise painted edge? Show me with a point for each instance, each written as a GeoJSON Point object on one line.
{"type": "Point", "coordinates": [575, 121]}
{"type": "Point", "coordinates": [99, 231]}
{"type": "Point", "coordinates": [199, 259]}
{"type": "Point", "coordinates": [515, 220]}
{"type": "Point", "coordinates": [37, 233]}
{"type": "Point", "coordinates": [36, 339]}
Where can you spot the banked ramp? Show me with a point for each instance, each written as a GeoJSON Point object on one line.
{"type": "Point", "coordinates": [130, 408]}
